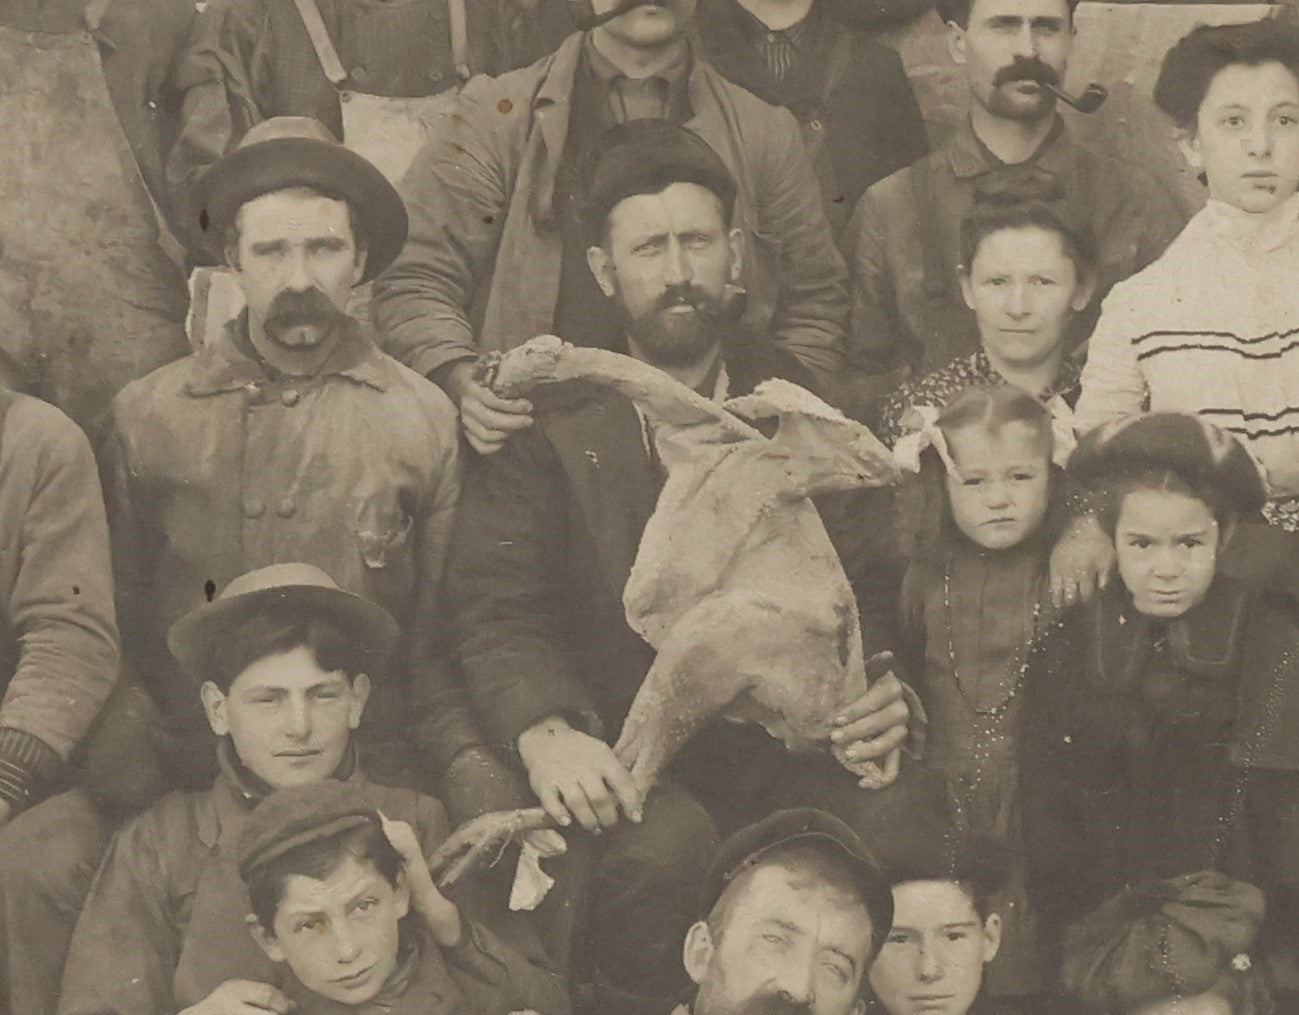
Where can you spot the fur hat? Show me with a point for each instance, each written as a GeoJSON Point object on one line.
{"type": "Point", "coordinates": [1203, 455]}
{"type": "Point", "coordinates": [1162, 939]}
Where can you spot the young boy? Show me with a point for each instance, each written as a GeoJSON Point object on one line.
{"type": "Point", "coordinates": [944, 928]}
{"type": "Point", "coordinates": [342, 897]}
{"type": "Point", "coordinates": [1158, 723]}
{"type": "Point", "coordinates": [284, 657]}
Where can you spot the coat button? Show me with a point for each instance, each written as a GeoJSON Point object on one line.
{"type": "Point", "coordinates": [254, 508]}
{"type": "Point", "coordinates": [287, 508]}
{"type": "Point", "coordinates": [290, 397]}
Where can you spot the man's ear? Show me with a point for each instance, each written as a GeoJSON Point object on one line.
{"type": "Point", "coordinates": [214, 705]}
{"type": "Point", "coordinates": [601, 265]}
{"type": "Point", "coordinates": [697, 954]}
{"type": "Point", "coordinates": [1084, 290]}
{"type": "Point", "coordinates": [266, 940]}
{"type": "Point", "coordinates": [358, 268]}
{"type": "Point", "coordinates": [1188, 142]}
{"type": "Point", "coordinates": [360, 695]}
{"type": "Point", "coordinates": [991, 937]}
{"type": "Point", "coordinates": [956, 43]}
{"type": "Point", "coordinates": [736, 240]}
{"type": "Point", "coordinates": [967, 287]}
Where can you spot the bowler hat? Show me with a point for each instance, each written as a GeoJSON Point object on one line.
{"type": "Point", "coordinates": [298, 151]}
{"type": "Point", "coordinates": [1191, 447]}
{"type": "Point", "coordinates": [298, 815]}
{"type": "Point", "coordinates": [646, 156]}
{"type": "Point", "coordinates": [797, 827]}
{"type": "Point", "coordinates": [1162, 939]}
{"type": "Point", "coordinates": [303, 586]}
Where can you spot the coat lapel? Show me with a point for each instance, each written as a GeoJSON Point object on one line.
{"type": "Point", "coordinates": [599, 445]}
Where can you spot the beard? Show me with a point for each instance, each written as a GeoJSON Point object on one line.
{"type": "Point", "coordinates": [759, 1004]}
{"type": "Point", "coordinates": [1021, 108]}
{"type": "Point", "coordinates": [301, 320]}
{"type": "Point", "coordinates": [668, 337]}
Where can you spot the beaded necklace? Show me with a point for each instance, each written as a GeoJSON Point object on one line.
{"type": "Point", "coordinates": [998, 710]}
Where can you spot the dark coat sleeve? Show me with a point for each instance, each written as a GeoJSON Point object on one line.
{"type": "Point", "coordinates": [506, 585]}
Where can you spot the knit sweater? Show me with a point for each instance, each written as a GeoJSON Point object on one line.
{"type": "Point", "coordinates": [1211, 328]}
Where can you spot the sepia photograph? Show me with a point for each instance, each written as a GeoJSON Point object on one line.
{"type": "Point", "coordinates": [649, 507]}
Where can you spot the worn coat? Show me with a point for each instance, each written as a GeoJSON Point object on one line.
{"type": "Point", "coordinates": [58, 640]}
{"type": "Point", "coordinates": [213, 468]}
{"type": "Point", "coordinates": [164, 923]}
{"type": "Point", "coordinates": [481, 268]}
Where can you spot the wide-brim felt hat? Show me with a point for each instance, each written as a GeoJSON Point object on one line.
{"type": "Point", "coordinates": [803, 826]}
{"type": "Point", "coordinates": [304, 587]}
{"type": "Point", "coordinates": [1193, 448]}
{"type": "Point", "coordinates": [298, 151]}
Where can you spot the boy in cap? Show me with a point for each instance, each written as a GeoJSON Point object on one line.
{"type": "Point", "coordinates": [286, 660]}
{"type": "Point", "coordinates": [1174, 947]}
{"type": "Point", "coordinates": [795, 909]}
{"type": "Point", "coordinates": [342, 899]}
{"type": "Point", "coordinates": [1159, 719]}
{"type": "Point", "coordinates": [946, 928]}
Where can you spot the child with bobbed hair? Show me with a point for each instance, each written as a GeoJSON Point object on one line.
{"type": "Point", "coordinates": [974, 600]}
{"type": "Point", "coordinates": [1159, 718]}
{"type": "Point", "coordinates": [1209, 328]}
{"type": "Point", "coordinates": [1170, 947]}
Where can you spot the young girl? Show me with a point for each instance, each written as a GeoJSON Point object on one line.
{"type": "Point", "coordinates": [1026, 273]}
{"type": "Point", "coordinates": [973, 604]}
{"type": "Point", "coordinates": [1209, 328]}
{"type": "Point", "coordinates": [1159, 719]}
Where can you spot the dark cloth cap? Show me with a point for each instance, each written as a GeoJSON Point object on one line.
{"type": "Point", "coordinates": [302, 586]}
{"type": "Point", "coordinates": [298, 151]}
{"type": "Point", "coordinates": [299, 815]}
{"type": "Point", "coordinates": [798, 827]}
{"type": "Point", "coordinates": [647, 156]}
{"type": "Point", "coordinates": [1162, 939]}
{"type": "Point", "coordinates": [1203, 455]}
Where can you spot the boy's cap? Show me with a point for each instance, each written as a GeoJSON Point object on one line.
{"type": "Point", "coordinates": [803, 826]}
{"type": "Point", "coordinates": [1162, 939]}
{"type": "Point", "coordinates": [645, 157]}
{"type": "Point", "coordinates": [298, 815]}
{"type": "Point", "coordinates": [301, 585]}
{"type": "Point", "coordinates": [1191, 447]}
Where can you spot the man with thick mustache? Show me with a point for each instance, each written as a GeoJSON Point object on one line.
{"type": "Point", "coordinates": [908, 314]}
{"type": "Point", "coordinates": [547, 532]}
{"type": "Point", "coordinates": [292, 437]}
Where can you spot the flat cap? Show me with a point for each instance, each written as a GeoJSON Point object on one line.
{"type": "Point", "coordinates": [647, 156]}
{"type": "Point", "coordinates": [801, 826]}
{"type": "Point", "coordinates": [298, 815]}
{"type": "Point", "coordinates": [1162, 939]}
{"type": "Point", "coordinates": [1193, 448]}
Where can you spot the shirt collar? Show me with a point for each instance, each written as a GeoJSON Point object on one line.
{"type": "Point", "coordinates": [229, 363]}
{"type": "Point", "coordinates": [1241, 227]}
{"type": "Point", "coordinates": [675, 74]}
{"type": "Point", "coordinates": [754, 29]}
{"type": "Point", "coordinates": [1066, 378]}
{"type": "Point", "coordinates": [970, 157]}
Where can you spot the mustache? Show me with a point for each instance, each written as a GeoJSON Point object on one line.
{"type": "Point", "coordinates": [1026, 68]}
{"type": "Point", "coordinates": [585, 18]}
{"type": "Point", "coordinates": [294, 309]}
{"type": "Point", "coordinates": [688, 295]}
{"type": "Point", "coordinates": [772, 1004]}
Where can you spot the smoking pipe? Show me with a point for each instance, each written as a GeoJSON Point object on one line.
{"type": "Point", "coordinates": [585, 18]}
{"type": "Point", "coordinates": [1091, 99]}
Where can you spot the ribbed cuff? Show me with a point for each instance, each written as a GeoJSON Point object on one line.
{"type": "Point", "coordinates": [26, 764]}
